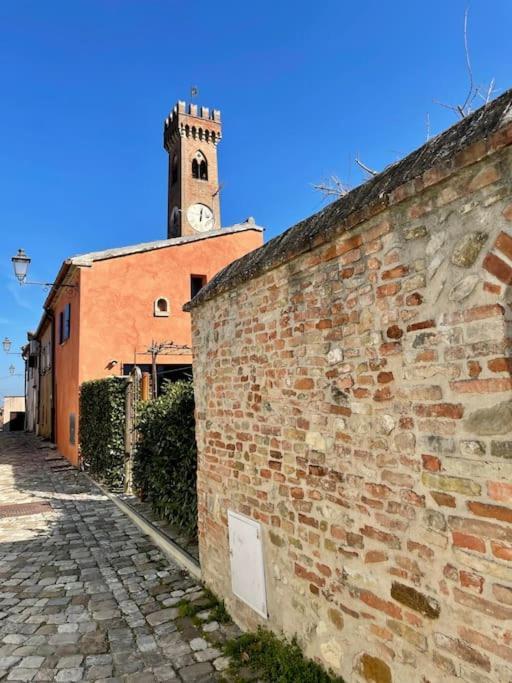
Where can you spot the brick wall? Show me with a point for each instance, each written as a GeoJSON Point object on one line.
{"type": "Point", "coordinates": [357, 402]}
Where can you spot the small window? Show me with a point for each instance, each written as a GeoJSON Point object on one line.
{"type": "Point", "coordinates": [65, 324]}
{"type": "Point", "coordinates": [174, 169]}
{"type": "Point", "coordinates": [199, 166]}
{"type": "Point", "coordinates": [197, 282]}
{"type": "Point", "coordinates": [67, 321]}
{"type": "Point", "coordinates": [161, 307]}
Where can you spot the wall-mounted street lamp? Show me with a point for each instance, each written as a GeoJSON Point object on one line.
{"type": "Point", "coordinates": [6, 345]}
{"type": "Point", "coordinates": [21, 263]}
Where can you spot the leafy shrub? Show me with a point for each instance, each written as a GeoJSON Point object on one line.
{"type": "Point", "coordinates": [166, 456]}
{"type": "Point", "coordinates": [101, 429]}
{"type": "Point", "coordinates": [275, 660]}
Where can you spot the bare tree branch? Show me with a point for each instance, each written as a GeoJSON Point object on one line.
{"type": "Point", "coordinates": [452, 107]}
{"type": "Point", "coordinates": [474, 90]}
{"type": "Point", "coordinates": [489, 93]}
{"type": "Point", "coordinates": [332, 187]}
{"type": "Point", "coordinates": [471, 91]}
{"type": "Point", "coordinates": [366, 169]}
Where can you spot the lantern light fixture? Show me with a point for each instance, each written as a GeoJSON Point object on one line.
{"type": "Point", "coordinates": [6, 345]}
{"type": "Point", "coordinates": [21, 263]}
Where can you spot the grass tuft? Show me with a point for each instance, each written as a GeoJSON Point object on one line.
{"type": "Point", "coordinates": [188, 609]}
{"type": "Point", "coordinates": [275, 660]}
{"type": "Point", "coordinates": [219, 613]}
{"type": "Point", "coordinates": [210, 602]}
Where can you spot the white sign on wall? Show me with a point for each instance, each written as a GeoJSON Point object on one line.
{"type": "Point", "coordinates": [246, 558]}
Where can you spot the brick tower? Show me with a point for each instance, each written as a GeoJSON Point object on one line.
{"type": "Point", "coordinates": [191, 135]}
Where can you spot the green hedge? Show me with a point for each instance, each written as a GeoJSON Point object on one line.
{"type": "Point", "coordinates": [165, 465]}
{"type": "Point", "coordinates": [102, 416]}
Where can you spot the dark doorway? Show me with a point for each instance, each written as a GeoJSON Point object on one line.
{"type": "Point", "coordinates": [163, 372]}
{"type": "Point", "coordinates": [17, 422]}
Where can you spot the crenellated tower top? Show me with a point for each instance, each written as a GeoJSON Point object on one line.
{"type": "Point", "coordinates": [191, 120]}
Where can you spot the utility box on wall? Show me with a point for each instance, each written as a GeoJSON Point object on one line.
{"type": "Point", "coordinates": [246, 559]}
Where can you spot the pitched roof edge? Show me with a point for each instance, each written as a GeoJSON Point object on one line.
{"type": "Point", "coordinates": [486, 131]}
{"type": "Point", "coordinates": [117, 252]}
{"type": "Point", "coordinates": [61, 276]}
{"type": "Point", "coordinates": [86, 260]}
{"type": "Point", "coordinates": [46, 316]}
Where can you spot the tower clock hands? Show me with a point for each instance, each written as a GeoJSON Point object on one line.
{"type": "Point", "coordinates": [200, 217]}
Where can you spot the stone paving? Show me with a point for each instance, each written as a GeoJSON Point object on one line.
{"type": "Point", "coordinates": [84, 594]}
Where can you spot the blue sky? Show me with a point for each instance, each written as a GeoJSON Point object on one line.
{"type": "Point", "coordinates": [303, 87]}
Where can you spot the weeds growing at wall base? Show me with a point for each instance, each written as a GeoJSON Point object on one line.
{"type": "Point", "coordinates": [275, 659]}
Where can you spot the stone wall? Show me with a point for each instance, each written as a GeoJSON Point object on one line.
{"type": "Point", "coordinates": [357, 402]}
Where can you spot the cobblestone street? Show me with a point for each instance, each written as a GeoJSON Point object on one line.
{"type": "Point", "coordinates": [84, 595]}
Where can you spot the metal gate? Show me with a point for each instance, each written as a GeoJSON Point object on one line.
{"type": "Point", "coordinates": [138, 387]}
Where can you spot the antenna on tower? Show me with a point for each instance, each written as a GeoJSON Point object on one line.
{"type": "Point", "coordinates": [194, 91]}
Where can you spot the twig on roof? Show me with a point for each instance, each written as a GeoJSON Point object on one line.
{"type": "Point", "coordinates": [366, 169]}
{"type": "Point", "coordinates": [332, 187]}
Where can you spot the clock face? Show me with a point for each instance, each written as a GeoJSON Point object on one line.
{"type": "Point", "coordinates": [200, 217]}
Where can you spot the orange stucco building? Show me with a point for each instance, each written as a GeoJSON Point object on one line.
{"type": "Point", "coordinates": [107, 308]}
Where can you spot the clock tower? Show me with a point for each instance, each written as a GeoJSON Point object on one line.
{"type": "Point", "coordinates": [191, 136]}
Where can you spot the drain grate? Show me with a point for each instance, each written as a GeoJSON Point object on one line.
{"type": "Point", "coordinates": [24, 509]}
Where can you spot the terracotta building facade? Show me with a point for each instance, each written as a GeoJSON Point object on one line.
{"type": "Point", "coordinates": [354, 410]}
{"type": "Point", "coordinates": [107, 308]}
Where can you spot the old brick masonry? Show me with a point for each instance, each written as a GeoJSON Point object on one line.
{"type": "Point", "coordinates": [357, 401]}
